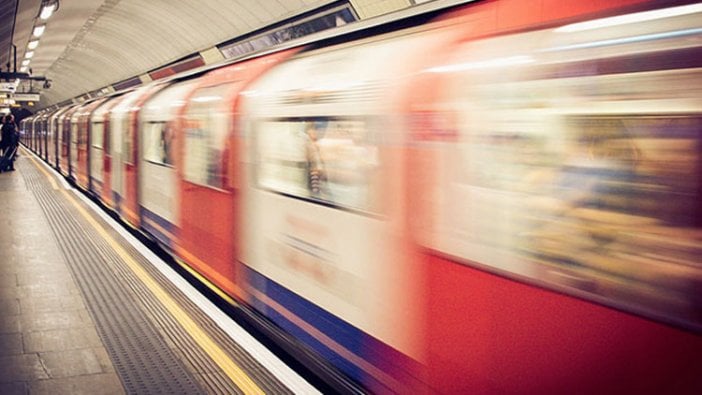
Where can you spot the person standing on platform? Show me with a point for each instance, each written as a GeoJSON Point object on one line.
{"type": "Point", "coordinates": [10, 139]}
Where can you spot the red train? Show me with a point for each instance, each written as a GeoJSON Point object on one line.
{"type": "Point", "coordinates": [505, 198]}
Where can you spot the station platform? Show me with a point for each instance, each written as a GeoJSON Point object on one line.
{"type": "Point", "coordinates": [86, 309]}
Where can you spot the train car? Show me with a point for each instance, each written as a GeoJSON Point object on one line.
{"type": "Point", "coordinates": [325, 250]}
{"type": "Point", "coordinates": [23, 130]}
{"type": "Point", "coordinates": [32, 133]}
{"type": "Point", "coordinates": [64, 139]}
{"type": "Point", "coordinates": [99, 144]}
{"type": "Point", "coordinates": [27, 130]}
{"type": "Point", "coordinates": [130, 204]}
{"type": "Point", "coordinates": [36, 134]}
{"type": "Point", "coordinates": [158, 187]}
{"type": "Point", "coordinates": [122, 153]}
{"type": "Point", "coordinates": [45, 135]}
{"type": "Point", "coordinates": [209, 139]}
{"type": "Point", "coordinates": [53, 134]}
{"type": "Point", "coordinates": [80, 142]}
{"type": "Point", "coordinates": [556, 195]}
{"type": "Point", "coordinates": [40, 134]}
{"type": "Point", "coordinates": [44, 147]}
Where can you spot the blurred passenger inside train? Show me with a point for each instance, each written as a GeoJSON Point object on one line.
{"type": "Point", "coordinates": [350, 161]}
{"type": "Point", "coordinates": [315, 164]}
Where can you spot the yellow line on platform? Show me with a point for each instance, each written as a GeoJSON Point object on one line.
{"type": "Point", "coordinates": [231, 369]}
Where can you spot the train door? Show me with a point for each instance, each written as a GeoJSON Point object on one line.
{"type": "Point", "coordinates": [53, 130]}
{"type": "Point", "coordinates": [118, 132]}
{"type": "Point", "coordinates": [22, 127]}
{"type": "Point", "coordinates": [84, 166]}
{"type": "Point", "coordinates": [210, 184]}
{"type": "Point", "coordinates": [31, 134]}
{"type": "Point", "coordinates": [158, 186]}
{"type": "Point", "coordinates": [206, 209]}
{"type": "Point", "coordinates": [74, 138]}
{"type": "Point", "coordinates": [37, 135]}
{"type": "Point", "coordinates": [130, 154]}
{"type": "Point", "coordinates": [64, 141]}
{"type": "Point", "coordinates": [99, 146]}
{"type": "Point", "coordinates": [42, 135]}
{"type": "Point", "coordinates": [45, 135]}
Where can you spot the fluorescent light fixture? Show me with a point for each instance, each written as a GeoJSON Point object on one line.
{"type": "Point", "coordinates": [631, 18]}
{"type": "Point", "coordinates": [33, 44]}
{"type": "Point", "coordinates": [25, 62]}
{"type": "Point", "coordinates": [28, 55]}
{"type": "Point", "coordinates": [490, 63]}
{"type": "Point", "coordinates": [24, 69]}
{"type": "Point", "coordinates": [47, 11]}
{"type": "Point", "coordinates": [39, 30]}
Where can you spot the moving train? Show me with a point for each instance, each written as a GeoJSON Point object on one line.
{"type": "Point", "coordinates": [500, 197]}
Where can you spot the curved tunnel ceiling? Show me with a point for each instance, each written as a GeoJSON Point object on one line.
{"type": "Point", "coordinates": [90, 44]}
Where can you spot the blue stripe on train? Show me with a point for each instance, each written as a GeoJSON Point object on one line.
{"type": "Point", "coordinates": [375, 352]}
{"type": "Point", "coordinates": [155, 231]}
{"type": "Point", "coordinates": [117, 198]}
{"type": "Point", "coordinates": [322, 320]}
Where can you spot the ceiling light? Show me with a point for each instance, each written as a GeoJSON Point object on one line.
{"type": "Point", "coordinates": [33, 44]}
{"type": "Point", "coordinates": [47, 10]}
{"type": "Point", "coordinates": [24, 69]}
{"type": "Point", "coordinates": [632, 18]}
{"type": "Point", "coordinates": [39, 30]}
{"type": "Point", "coordinates": [28, 55]}
{"type": "Point", "coordinates": [25, 62]}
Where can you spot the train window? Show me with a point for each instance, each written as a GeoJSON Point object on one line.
{"type": "Point", "coordinates": [97, 133]}
{"type": "Point", "coordinates": [332, 161]}
{"type": "Point", "coordinates": [82, 135]}
{"type": "Point", "coordinates": [74, 132]}
{"type": "Point", "coordinates": [206, 129]}
{"type": "Point", "coordinates": [158, 139]}
{"type": "Point", "coordinates": [611, 206]}
{"type": "Point", "coordinates": [127, 151]}
{"type": "Point", "coordinates": [64, 139]}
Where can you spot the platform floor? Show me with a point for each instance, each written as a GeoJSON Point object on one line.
{"type": "Point", "coordinates": [85, 311]}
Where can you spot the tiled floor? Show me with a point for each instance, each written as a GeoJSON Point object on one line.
{"type": "Point", "coordinates": [48, 341]}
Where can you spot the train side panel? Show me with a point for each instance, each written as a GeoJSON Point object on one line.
{"type": "Point", "coordinates": [130, 209]}
{"type": "Point", "coordinates": [99, 149]}
{"type": "Point", "coordinates": [326, 246]}
{"type": "Point", "coordinates": [83, 143]}
{"type": "Point", "coordinates": [53, 136]}
{"type": "Point", "coordinates": [64, 146]}
{"type": "Point", "coordinates": [45, 137]}
{"type": "Point", "coordinates": [119, 152]}
{"type": "Point", "coordinates": [158, 186]}
{"type": "Point", "coordinates": [210, 191]}
{"type": "Point", "coordinates": [534, 199]}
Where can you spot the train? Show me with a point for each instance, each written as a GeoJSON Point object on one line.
{"type": "Point", "coordinates": [504, 196]}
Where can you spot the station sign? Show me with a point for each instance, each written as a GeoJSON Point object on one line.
{"type": "Point", "coordinates": [8, 87]}
{"type": "Point", "coordinates": [26, 96]}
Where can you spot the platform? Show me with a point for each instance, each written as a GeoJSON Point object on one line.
{"type": "Point", "coordinates": [85, 309]}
